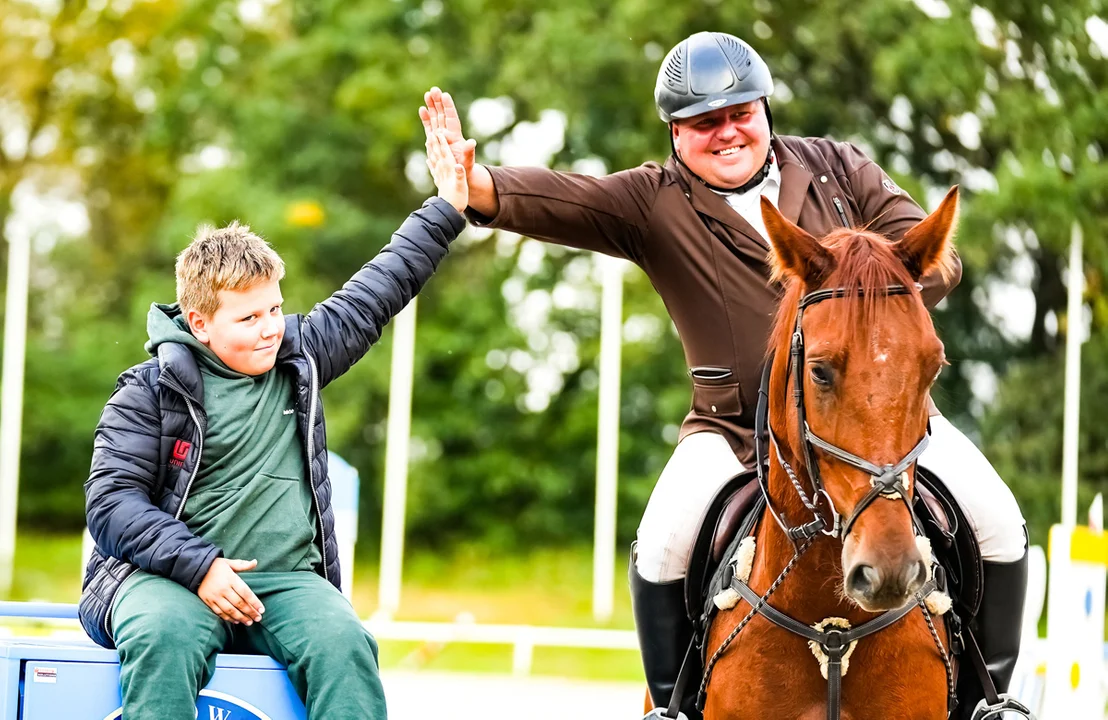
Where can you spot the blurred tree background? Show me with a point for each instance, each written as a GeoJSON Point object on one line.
{"type": "Point", "coordinates": [125, 123]}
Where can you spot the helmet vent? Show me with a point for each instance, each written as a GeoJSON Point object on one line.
{"type": "Point", "coordinates": [675, 70]}
{"type": "Point", "coordinates": [738, 54]}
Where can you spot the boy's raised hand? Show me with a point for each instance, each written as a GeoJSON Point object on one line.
{"type": "Point", "coordinates": [449, 175]}
{"type": "Point", "coordinates": [225, 593]}
{"type": "Point", "coordinates": [440, 113]}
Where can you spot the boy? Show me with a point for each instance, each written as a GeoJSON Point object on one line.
{"type": "Point", "coordinates": [208, 496]}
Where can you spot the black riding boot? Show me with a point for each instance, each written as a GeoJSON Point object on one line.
{"type": "Point", "coordinates": [997, 628]}
{"type": "Point", "coordinates": [664, 634]}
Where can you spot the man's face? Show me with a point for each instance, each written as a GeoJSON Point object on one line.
{"type": "Point", "coordinates": [247, 329]}
{"type": "Point", "coordinates": [724, 147]}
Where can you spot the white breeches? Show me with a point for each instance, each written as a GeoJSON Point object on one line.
{"type": "Point", "coordinates": [702, 462]}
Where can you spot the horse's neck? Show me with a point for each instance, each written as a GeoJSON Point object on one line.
{"type": "Point", "coordinates": [813, 590]}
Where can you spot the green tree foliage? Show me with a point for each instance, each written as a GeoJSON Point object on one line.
{"type": "Point", "coordinates": [300, 118]}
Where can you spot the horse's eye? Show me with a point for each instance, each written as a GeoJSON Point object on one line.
{"type": "Point", "coordinates": [822, 375]}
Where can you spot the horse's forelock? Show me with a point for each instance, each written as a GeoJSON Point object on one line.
{"type": "Point", "coordinates": [863, 260]}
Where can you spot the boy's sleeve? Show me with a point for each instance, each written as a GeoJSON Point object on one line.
{"type": "Point", "coordinates": [339, 330]}
{"type": "Point", "coordinates": [121, 515]}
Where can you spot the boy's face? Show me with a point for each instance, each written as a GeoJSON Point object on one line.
{"type": "Point", "coordinates": [247, 329]}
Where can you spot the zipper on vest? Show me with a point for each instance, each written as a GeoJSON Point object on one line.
{"type": "Point", "coordinates": [199, 453]}
{"type": "Point", "coordinates": [172, 385]}
{"type": "Point", "coordinates": [311, 453]}
{"type": "Point", "coordinates": [842, 212]}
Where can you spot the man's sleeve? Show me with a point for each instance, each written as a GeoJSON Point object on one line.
{"type": "Point", "coordinates": [607, 214]}
{"type": "Point", "coordinates": [121, 515]}
{"type": "Point", "coordinates": [342, 328]}
{"type": "Point", "coordinates": [892, 212]}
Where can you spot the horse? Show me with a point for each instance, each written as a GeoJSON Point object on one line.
{"type": "Point", "coordinates": [850, 362]}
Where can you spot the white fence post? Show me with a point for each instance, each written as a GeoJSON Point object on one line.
{"type": "Point", "coordinates": [11, 398]}
{"type": "Point", "coordinates": [607, 441]}
{"type": "Point", "coordinates": [396, 459]}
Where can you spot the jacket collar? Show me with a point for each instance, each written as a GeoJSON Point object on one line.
{"type": "Point", "coordinates": [177, 364]}
{"type": "Point", "coordinates": [795, 179]}
{"type": "Point", "coordinates": [290, 344]}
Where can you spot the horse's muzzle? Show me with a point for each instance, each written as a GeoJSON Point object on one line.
{"type": "Point", "coordinates": [877, 589]}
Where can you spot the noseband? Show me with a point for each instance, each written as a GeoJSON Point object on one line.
{"type": "Point", "coordinates": [888, 481]}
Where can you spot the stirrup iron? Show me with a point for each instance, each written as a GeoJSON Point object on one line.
{"type": "Point", "coordinates": [1005, 703]}
{"type": "Point", "coordinates": [659, 713]}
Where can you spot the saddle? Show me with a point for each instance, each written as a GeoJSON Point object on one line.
{"type": "Point", "coordinates": [734, 512]}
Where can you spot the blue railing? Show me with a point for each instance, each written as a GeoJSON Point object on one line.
{"type": "Point", "coordinates": [40, 610]}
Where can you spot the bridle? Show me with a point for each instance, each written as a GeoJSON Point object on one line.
{"type": "Point", "coordinates": [889, 481]}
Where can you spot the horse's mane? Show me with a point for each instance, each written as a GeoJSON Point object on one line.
{"type": "Point", "coordinates": [863, 260]}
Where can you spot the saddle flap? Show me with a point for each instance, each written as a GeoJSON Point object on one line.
{"type": "Point", "coordinates": [723, 515]}
{"type": "Point", "coordinates": [734, 511]}
{"type": "Point", "coordinates": [952, 540]}
{"type": "Point", "coordinates": [938, 511]}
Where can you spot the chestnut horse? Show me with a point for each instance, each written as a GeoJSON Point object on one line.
{"type": "Point", "coordinates": [853, 356]}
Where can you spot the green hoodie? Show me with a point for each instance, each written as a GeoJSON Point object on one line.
{"type": "Point", "coordinates": [251, 495]}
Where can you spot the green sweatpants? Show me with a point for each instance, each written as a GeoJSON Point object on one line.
{"type": "Point", "coordinates": [168, 639]}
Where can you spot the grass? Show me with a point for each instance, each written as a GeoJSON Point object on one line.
{"type": "Point", "coordinates": [546, 587]}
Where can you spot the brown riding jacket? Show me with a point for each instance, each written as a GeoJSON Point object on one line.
{"type": "Point", "coordinates": [707, 263]}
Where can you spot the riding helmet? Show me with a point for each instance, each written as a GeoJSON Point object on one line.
{"type": "Point", "coordinates": [710, 70]}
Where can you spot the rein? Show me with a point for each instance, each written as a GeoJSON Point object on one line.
{"type": "Point", "coordinates": [888, 481]}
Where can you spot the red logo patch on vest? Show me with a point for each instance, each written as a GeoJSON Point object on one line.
{"type": "Point", "coordinates": [180, 452]}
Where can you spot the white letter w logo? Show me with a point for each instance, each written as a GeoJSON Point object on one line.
{"type": "Point", "coordinates": [218, 713]}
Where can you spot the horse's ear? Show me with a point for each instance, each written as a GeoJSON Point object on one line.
{"type": "Point", "coordinates": [795, 252]}
{"type": "Point", "coordinates": [928, 246]}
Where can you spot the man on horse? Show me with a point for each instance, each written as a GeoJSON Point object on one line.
{"type": "Point", "coordinates": [694, 225]}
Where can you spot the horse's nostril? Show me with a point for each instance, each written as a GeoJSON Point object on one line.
{"type": "Point", "coordinates": [919, 577]}
{"type": "Point", "coordinates": [864, 580]}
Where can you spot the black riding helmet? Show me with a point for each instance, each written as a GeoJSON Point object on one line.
{"type": "Point", "coordinates": [707, 71]}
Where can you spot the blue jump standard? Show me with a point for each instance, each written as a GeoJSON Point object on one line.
{"type": "Point", "coordinates": [45, 679]}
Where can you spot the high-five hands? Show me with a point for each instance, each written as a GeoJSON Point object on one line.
{"type": "Point", "coordinates": [440, 113]}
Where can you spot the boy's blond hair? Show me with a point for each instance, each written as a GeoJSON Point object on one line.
{"type": "Point", "coordinates": [229, 258]}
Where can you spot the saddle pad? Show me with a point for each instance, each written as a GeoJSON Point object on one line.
{"type": "Point", "coordinates": [704, 557]}
{"type": "Point", "coordinates": [722, 573]}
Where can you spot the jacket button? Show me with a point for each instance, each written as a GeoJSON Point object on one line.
{"type": "Point", "coordinates": [713, 408]}
{"type": "Point", "coordinates": [823, 178]}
